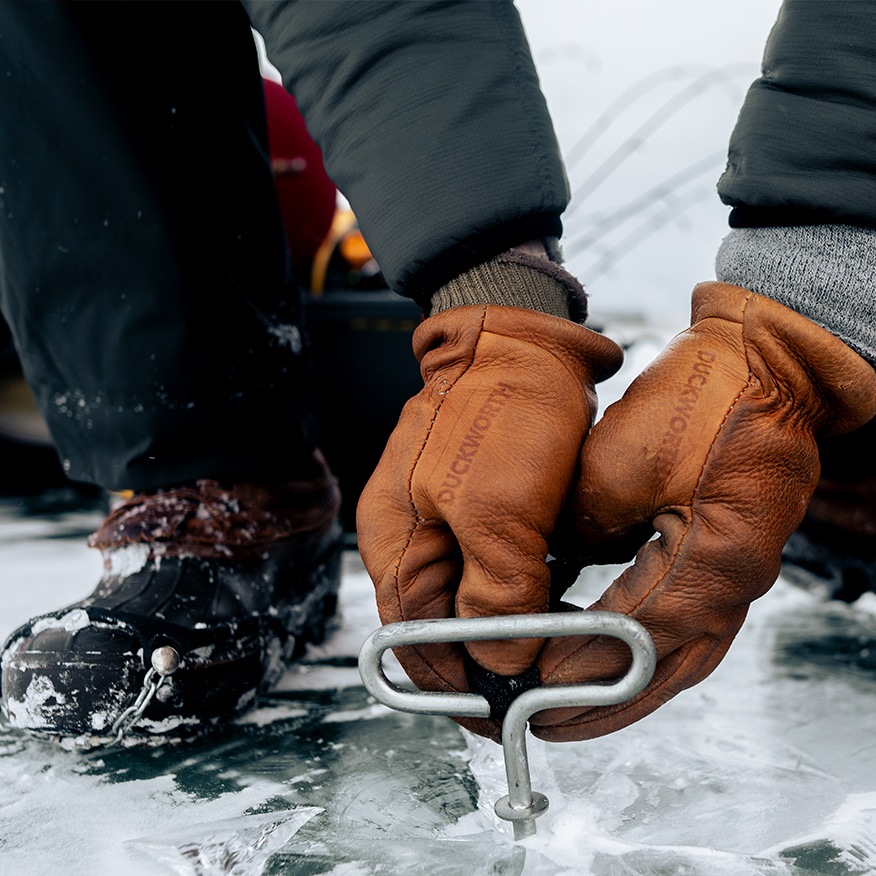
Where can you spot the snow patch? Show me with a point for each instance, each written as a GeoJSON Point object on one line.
{"type": "Point", "coordinates": [866, 603]}
{"type": "Point", "coordinates": [276, 665]}
{"type": "Point", "coordinates": [166, 725]}
{"type": "Point", "coordinates": [130, 559]}
{"type": "Point", "coordinates": [307, 777]}
{"type": "Point", "coordinates": [246, 700]}
{"type": "Point", "coordinates": [74, 620]}
{"type": "Point", "coordinates": [28, 712]}
{"type": "Point", "coordinates": [288, 335]}
{"type": "Point", "coordinates": [350, 868]}
{"type": "Point", "coordinates": [376, 711]}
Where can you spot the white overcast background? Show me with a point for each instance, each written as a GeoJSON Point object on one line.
{"type": "Point", "coordinates": [644, 95]}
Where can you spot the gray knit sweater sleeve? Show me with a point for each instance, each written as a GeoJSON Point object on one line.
{"type": "Point", "coordinates": [827, 273]}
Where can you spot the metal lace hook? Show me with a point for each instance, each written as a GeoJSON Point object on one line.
{"type": "Point", "coordinates": [521, 806]}
{"type": "Point", "coordinates": [164, 662]}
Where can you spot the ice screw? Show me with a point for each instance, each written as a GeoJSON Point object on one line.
{"type": "Point", "coordinates": [522, 805]}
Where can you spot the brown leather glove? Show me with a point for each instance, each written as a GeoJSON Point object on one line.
{"type": "Point", "coordinates": [455, 520]}
{"type": "Point", "coordinates": [713, 446]}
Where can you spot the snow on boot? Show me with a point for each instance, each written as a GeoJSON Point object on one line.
{"type": "Point", "coordinates": [208, 591]}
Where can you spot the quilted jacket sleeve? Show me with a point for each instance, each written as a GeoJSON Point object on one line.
{"type": "Point", "coordinates": [432, 124]}
{"type": "Point", "coordinates": [804, 147]}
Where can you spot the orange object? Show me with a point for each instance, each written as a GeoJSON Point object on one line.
{"type": "Point", "coordinates": [355, 250]}
{"type": "Point", "coordinates": [343, 221]}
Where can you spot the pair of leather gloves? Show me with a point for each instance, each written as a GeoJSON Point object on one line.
{"type": "Point", "coordinates": [712, 447]}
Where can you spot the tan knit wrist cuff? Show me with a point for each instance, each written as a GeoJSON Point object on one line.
{"type": "Point", "coordinates": [516, 279]}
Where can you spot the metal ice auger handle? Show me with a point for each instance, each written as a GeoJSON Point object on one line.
{"type": "Point", "coordinates": [521, 806]}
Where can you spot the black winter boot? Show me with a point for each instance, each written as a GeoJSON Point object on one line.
{"type": "Point", "coordinates": [209, 590]}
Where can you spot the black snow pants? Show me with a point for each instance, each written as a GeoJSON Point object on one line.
{"type": "Point", "coordinates": [143, 266]}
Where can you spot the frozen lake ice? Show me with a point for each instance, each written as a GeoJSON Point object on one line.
{"type": "Point", "coordinates": [768, 767]}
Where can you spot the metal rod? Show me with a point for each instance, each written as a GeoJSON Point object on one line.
{"type": "Point", "coordinates": [521, 806]}
{"type": "Point", "coordinates": [520, 794]}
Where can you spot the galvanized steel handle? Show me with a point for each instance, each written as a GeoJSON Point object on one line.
{"type": "Point", "coordinates": [521, 805]}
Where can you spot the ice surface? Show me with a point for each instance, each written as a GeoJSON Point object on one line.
{"type": "Point", "coordinates": [238, 847]}
{"type": "Point", "coordinates": [769, 767]}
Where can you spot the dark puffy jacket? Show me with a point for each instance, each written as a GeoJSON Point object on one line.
{"type": "Point", "coordinates": [804, 147]}
{"type": "Point", "coordinates": [432, 123]}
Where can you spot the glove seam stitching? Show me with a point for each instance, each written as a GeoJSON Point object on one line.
{"type": "Point", "coordinates": [418, 518]}
{"type": "Point", "coordinates": [648, 690]}
{"type": "Point", "coordinates": [748, 384]}
{"type": "Point", "coordinates": [693, 497]}
{"type": "Point", "coordinates": [706, 458]}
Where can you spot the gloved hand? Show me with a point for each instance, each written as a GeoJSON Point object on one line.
{"type": "Point", "coordinates": [713, 446]}
{"type": "Point", "coordinates": [454, 522]}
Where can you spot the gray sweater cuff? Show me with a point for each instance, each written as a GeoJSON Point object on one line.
{"type": "Point", "coordinates": [827, 273]}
